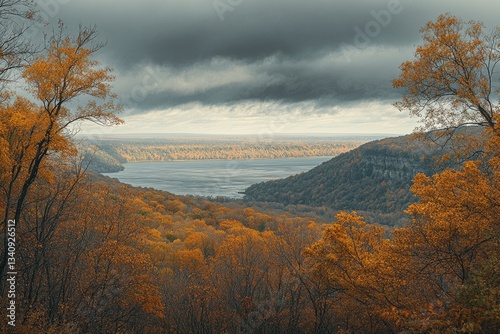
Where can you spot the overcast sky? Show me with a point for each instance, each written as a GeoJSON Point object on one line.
{"type": "Point", "coordinates": [260, 66]}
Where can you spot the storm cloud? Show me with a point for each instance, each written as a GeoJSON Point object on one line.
{"type": "Point", "coordinates": [223, 52]}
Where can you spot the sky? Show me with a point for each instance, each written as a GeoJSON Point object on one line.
{"type": "Point", "coordinates": [259, 66]}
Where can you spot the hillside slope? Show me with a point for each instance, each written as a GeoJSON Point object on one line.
{"type": "Point", "coordinates": [375, 177]}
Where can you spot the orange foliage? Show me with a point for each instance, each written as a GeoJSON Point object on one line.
{"type": "Point", "coordinates": [450, 81]}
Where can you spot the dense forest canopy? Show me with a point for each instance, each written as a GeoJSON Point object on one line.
{"type": "Point", "coordinates": [92, 255]}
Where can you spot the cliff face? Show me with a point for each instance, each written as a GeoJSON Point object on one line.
{"type": "Point", "coordinates": [376, 177]}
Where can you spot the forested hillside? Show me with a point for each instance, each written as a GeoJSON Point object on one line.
{"type": "Point", "coordinates": [376, 177]}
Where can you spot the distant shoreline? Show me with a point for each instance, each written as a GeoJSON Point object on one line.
{"type": "Point", "coordinates": [243, 159]}
{"type": "Point", "coordinates": [106, 156]}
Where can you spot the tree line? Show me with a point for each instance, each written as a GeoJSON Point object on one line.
{"type": "Point", "coordinates": [167, 150]}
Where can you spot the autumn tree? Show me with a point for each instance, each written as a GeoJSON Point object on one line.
{"type": "Point", "coordinates": [241, 268]}
{"type": "Point", "coordinates": [453, 79]}
{"type": "Point", "coordinates": [32, 131]}
{"type": "Point", "coordinates": [447, 250]}
{"type": "Point", "coordinates": [304, 299]}
{"type": "Point", "coordinates": [82, 262]}
{"type": "Point", "coordinates": [450, 247]}
{"type": "Point", "coordinates": [350, 263]}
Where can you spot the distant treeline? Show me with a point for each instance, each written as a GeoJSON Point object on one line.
{"type": "Point", "coordinates": [231, 151]}
{"type": "Point", "coordinates": [108, 155]}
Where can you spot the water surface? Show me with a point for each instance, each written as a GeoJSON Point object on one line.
{"type": "Point", "coordinates": [212, 177]}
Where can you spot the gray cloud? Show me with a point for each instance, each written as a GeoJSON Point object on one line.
{"type": "Point", "coordinates": [168, 53]}
{"type": "Point", "coordinates": [179, 33]}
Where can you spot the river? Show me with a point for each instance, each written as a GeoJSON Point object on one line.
{"type": "Point", "coordinates": [212, 177]}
